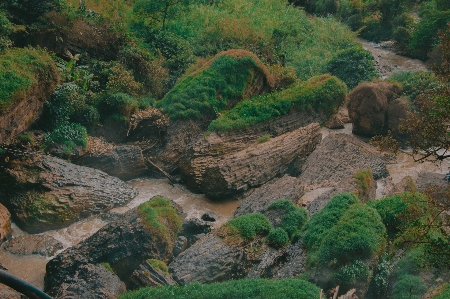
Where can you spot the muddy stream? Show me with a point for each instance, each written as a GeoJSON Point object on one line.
{"type": "Point", "coordinates": [32, 268]}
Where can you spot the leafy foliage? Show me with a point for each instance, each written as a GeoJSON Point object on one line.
{"type": "Point", "coordinates": [278, 237]}
{"type": "Point", "coordinates": [70, 135]}
{"type": "Point", "coordinates": [323, 93]}
{"type": "Point", "coordinates": [353, 66]}
{"type": "Point", "coordinates": [236, 289]}
{"type": "Point", "coordinates": [350, 274]}
{"type": "Point", "coordinates": [390, 209]}
{"type": "Point", "coordinates": [409, 287]}
{"type": "Point", "coordinates": [293, 219]}
{"type": "Point", "coordinates": [161, 218]}
{"type": "Point", "coordinates": [249, 226]}
{"type": "Point", "coordinates": [317, 228]}
{"type": "Point", "coordinates": [118, 104]}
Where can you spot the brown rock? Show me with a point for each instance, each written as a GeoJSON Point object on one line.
{"type": "Point", "coordinates": [258, 163]}
{"type": "Point", "coordinates": [8, 293]}
{"type": "Point", "coordinates": [397, 110]}
{"type": "Point", "coordinates": [34, 244]}
{"type": "Point", "coordinates": [5, 224]}
{"type": "Point", "coordinates": [368, 106]}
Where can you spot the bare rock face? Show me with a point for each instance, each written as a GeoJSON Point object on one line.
{"type": "Point", "coordinates": [8, 293]}
{"type": "Point", "coordinates": [368, 107]}
{"type": "Point", "coordinates": [5, 224]}
{"type": "Point", "coordinates": [293, 262]}
{"type": "Point", "coordinates": [125, 162]}
{"type": "Point", "coordinates": [429, 179]}
{"type": "Point", "coordinates": [90, 282]}
{"type": "Point", "coordinates": [258, 163]}
{"type": "Point", "coordinates": [147, 276]}
{"type": "Point", "coordinates": [34, 244]}
{"type": "Point", "coordinates": [44, 193]}
{"type": "Point", "coordinates": [260, 198]}
{"type": "Point", "coordinates": [209, 260]}
{"type": "Point", "coordinates": [405, 185]}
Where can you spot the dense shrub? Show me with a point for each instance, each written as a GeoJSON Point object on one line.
{"type": "Point", "coordinates": [19, 69]}
{"type": "Point", "coordinates": [293, 219]}
{"type": "Point", "coordinates": [409, 287]}
{"type": "Point", "coordinates": [321, 222]}
{"type": "Point", "coordinates": [26, 12]}
{"type": "Point", "coordinates": [70, 135]}
{"type": "Point", "coordinates": [353, 66]}
{"type": "Point", "coordinates": [249, 226]}
{"type": "Point", "coordinates": [161, 218]}
{"type": "Point", "coordinates": [282, 204]}
{"type": "Point", "coordinates": [359, 234]}
{"type": "Point", "coordinates": [118, 104]}
{"type": "Point", "coordinates": [350, 274]}
{"type": "Point", "coordinates": [323, 93]}
{"type": "Point", "coordinates": [88, 117]}
{"type": "Point", "coordinates": [236, 289]}
{"type": "Point", "coordinates": [221, 82]}
{"type": "Point", "coordinates": [415, 83]}
{"type": "Point", "coordinates": [390, 208]}
{"type": "Point", "coordinates": [278, 237]}
{"type": "Point", "coordinates": [379, 284]}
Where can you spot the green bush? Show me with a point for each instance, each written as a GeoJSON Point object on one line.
{"type": "Point", "coordinates": [19, 69]}
{"type": "Point", "coordinates": [161, 218]}
{"type": "Point", "coordinates": [71, 136]}
{"type": "Point", "coordinates": [278, 237]}
{"type": "Point", "coordinates": [88, 117]}
{"type": "Point", "coordinates": [236, 289]}
{"type": "Point", "coordinates": [349, 274]}
{"type": "Point", "coordinates": [359, 234]}
{"type": "Point", "coordinates": [26, 12]}
{"type": "Point", "coordinates": [409, 287]}
{"type": "Point", "coordinates": [321, 222]}
{"type": "Point", "coordinates": [353, 66]}
{"type": "Point", "coordinates": [415, 83]}
{"type": "Point", "coordinates": [282, 204]}
{"type": "Point", "coordinates": [209, 90]}
{"type": "Point", "coordinates": [159, 265]}
{"type": "Point", "coordinates": [118, 104]}
{"type": "Point", "coordinates": [293, 221]}
{"type": "Point", "coordinates": [323, 93]}
{"type": "Point", "coordinates": [390, 208]}
{"type": "Point", "coordinates": [379, 284]}
{"type": "Point", "coordinates": [445, 294]}
{"type": "Point", "coordinates": [249, 226]}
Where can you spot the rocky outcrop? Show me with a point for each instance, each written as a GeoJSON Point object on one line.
{"type": "Point", "coordinates": [265, 262]}
{"type": "Point", "coordinates": [147, 276]}
{"type": "Point", "coordinates": [429, 179]}
{"type": "Point", "coordinates": [405, 185]}
{"type": "Point", "coordinates": [368, 107]}
{"type": "Point", "coordinates": [44, 192]}
{"type": "Point", "coordinates": [90, 282]}
{"type": "Point", "coordinates": [209, 217]}
{"type": "Point", "coordinates": [193, 229]}
{"type": "Point", "coordinates": [34, 244]}
{"type": "Point", "coordinates": [293, 262]}
{"type": "Point", "coordinates": [124, 244]}
{"type": "Point", "coordinates": [209, 260]}
{"type": "Point", "coordinates": [125, 162]}
{"type": "Point", "coordinates": [209, 149]}
{"type": "Point", "coordinates": [258, 163]}
{"type": "Point", "coordinates": [8, 293]}
{"type": "Point", "coordinates": [5, 224]}
{"type": "Point", "coordinates": [260, 198]}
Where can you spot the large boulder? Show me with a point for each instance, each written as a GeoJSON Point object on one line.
{"type": "Point", "coordinates": [124, 244]}
{"type": "Point", "coordinates": [5, 224]}
{"type": "Point", "coordinates": [260, 198]}
{"type": "Point", "coordinates": [44, 192]}
{"type": "Point", "coordinates": [34, 244]}
{"type": "Point", "coordinates": [259, 163]}
{"type": "Point", "coordinates": [368, 107]}
{"type": "Point", "coordinates": [125, 162]}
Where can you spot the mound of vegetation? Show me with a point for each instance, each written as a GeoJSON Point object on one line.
{"type": "Point", "coordinates": [247, 227]}
{"type": "Point", "coordinates": [291, 222]}
{"type": "Point", "coordinates": [322, 93]}
{"type": "Point", "coordinates": [236, 289]}
{"type": "Point", "coordinates": [19, 69]}
{"type": "Point", "coordinates": [161, 218]}
{"type": "Point", "coordinates": [220, 83]}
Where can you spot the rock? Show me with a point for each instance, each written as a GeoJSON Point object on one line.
{"type": "Point", "coordinates": [265, 262]}
{"type": "Point", "coordinates": [180, 246]}
{"type": "Point", "coordinates": [405, 185]}
{"type": "Point", "coordinates": [5, 224]}
{"type": "Point", "coordinates": [90, 282]}
{"type": "Point", "coordinates": [429, 179]}
{"type": "Point", "coordinates": [147, 276]}
{"type": "Point", "coordinates": [148, 122]}
{"type": "Point", "coordinates": [259, 163]}
{"type": "Point", "coordinates": [44, 192]}
{"type": "Point", "coordinates": [193, 228]}
{"type": "Point", "coordinates": [125, 162]}
{"type": "Point", "coordinates": [293, 262]}
{"type": "Point", "coordinates": [209, 149]}
{"type": "Point", "coordinates": [124, 244]}
{"type": "Point", "coordinates": [34, 244]}
{"type": "Point", "coordinates": [260, 198]}
{"type": "Point", "coordinates": [209, 260]}
{"type": "Point", "coordinates": [368, 107]}
{"type": "Point", "coordinates": [209, 217]}
{"type": "Point", "coordinates": [8, 293]}
{"type": "Point", "coordinates": [320, 201]}
{"type": "Point", "coordinates": [334, 123]}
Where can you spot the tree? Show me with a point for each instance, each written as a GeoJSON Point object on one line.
{"type": "Point", "coordinates": [159, 11]}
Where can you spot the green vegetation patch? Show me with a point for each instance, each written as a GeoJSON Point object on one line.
{"type": "Point", "coordinates": [278, 237]}
{"type": "Point", "coordinates": [409, 287]}
{"type": "Point", "coordinates": [236, 289]}
{"type": "Point", "coordinates": [359, 234]}
{"type": "Point", "coordinates": [364, 181]}
{"type": "Point", "coordinates": [161, 218]}
{"type": "Point", "coordinates": [108, 267]}
{"type": "Point", "coordinates": [317, 228]}
{"type": "Point", "coordinates": [323, 93]}
{"type": "Point", "coordinates": [350, 274]}
{"type": "Point", "coordinates": [248, 226]}
{"type": "Point", "coordinates": [19, 69]}
{"type": "Point", "coordinates": [220, 83]}
{"type": "Point", "coordinates": [390, 208]}
{"type": "Point", "coordinates": [445, 293]}
{"type": "Point", "coordinates": [70, 136]}
{"type": "Point", "coordinates": [158, 265]}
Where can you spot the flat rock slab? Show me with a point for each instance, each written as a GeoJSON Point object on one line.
{"type": "Point", "coordinates": [34, 244]}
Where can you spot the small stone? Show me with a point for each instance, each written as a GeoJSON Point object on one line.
{"type": "Point", "coordinates": [209, 216]}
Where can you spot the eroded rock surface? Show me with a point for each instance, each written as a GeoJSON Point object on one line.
{"type": "Point", "coordinates": [44, 192]}
{"type": "Point", "coordinates": [147, 276]}
{"type": "Point", "coordinates": [34, 244]}
{"type": "Point", "coordinates": [5, 224]}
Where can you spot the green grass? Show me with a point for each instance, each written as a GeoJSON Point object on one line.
{"type": "Point", "coordinates": [161, 218]}
{"type": "Point", "coordinates": [234, 289]}
{"type": "Point", "coordinates": [108, 267]}
{"type": "Point", "coordinates": [322, 93]}
{"type": "Point", "coordinates": [209, 90]}
{"type": "Point", "coordinates": [19, 69]}
{"type": "Point", "coordinates": [249, 226]}
{"type": "Point", "coordinates": [263, 138]}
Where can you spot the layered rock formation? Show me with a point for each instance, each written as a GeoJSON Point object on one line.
{"type": "Point", "coordinates": [44, 193]}
{"type": "Point", "coordinates": [147, 276]}
{"type": "Point", "coordinates": [258, 163]}
{"type": "Point", "coordinates": [34, 244]}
